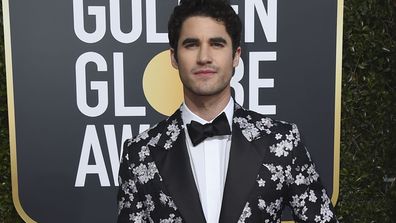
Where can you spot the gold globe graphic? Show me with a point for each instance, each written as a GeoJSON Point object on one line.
{"type": "Point", "coordinates": [161, 84]}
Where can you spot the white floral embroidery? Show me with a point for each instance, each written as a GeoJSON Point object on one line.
{"type": "Point", "coordinates": [264, 125]}
{"type": "Point", "coordinates": [272, 209]}
{"type": "Point", "coordinates": [296, 134]}
{"type": "Point", "coordinates": [172, 219]}
{"type": "Point", "coordinates": [163, 197]}
{"type": "Point", "coordinates": [144, 173]}
{"type": "Point", "coordinates": [312, 196]}
{"type": "Point", "coordinates": [148, 203]}
{"type": "Point", "coordinates": [143, 135]}
{"type": "Point", "coordinates": [299, 205]}
{"type": "Point", "coordinates": [123, 204]}
{"type": "Point", "coordinates": [128, 188]}
{"type": "Point", "coordinates": [252, 129]}
{"type": "Point", "coordinates": [153, 141]}
{"type": "Point", "coordinates": [261, 204]}
{"type": "Point", "coordinates": [166, 200]}
{"type": "Point", "coordinates": [137, 217]}
{"type": "Point", "coordinates": [144, 215]}
{"type": "Point", "coordinates": [246, 213]}
{"type": "Point", "coordinates": [173, 132]}
{"type": "Point", "coordinates": [261, 182]}
{"type": "Point", "coordinates": [280, 174]}
{"type": "Point", "coordinates": [307, 174]}
{"type": "Point", "coordinates": [326, 213]}
{"type": "Point", "coordinates": [143, 153]}
{"type": "Point", "coordinates": [300, 179]}
{"type": "Point", "coordinates": [248, 129]}
{"type": "Point", "coordinates": [282, 148]}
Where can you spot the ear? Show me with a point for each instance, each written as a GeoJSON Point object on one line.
{"type": "Point", "coordinates": [237, 55]}
{"type": "Point", "coordinates": [173, 58]}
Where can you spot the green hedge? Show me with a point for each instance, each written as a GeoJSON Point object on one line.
{"type": "Point", "coordinates": [368, 138]}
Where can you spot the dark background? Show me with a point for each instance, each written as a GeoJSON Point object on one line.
{"type": "Point", "coordinates": [50, 128]}
{"type": "Point", "coordinates": [367, 190]}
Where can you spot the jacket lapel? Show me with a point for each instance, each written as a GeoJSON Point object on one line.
{"type": "Point", "coordinates": [244, 163]}
{"type": "Point", "coordinates": [173, 163]}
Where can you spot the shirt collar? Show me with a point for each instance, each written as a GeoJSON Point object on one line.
{"type": "Point", "coordinates": [188, 115]}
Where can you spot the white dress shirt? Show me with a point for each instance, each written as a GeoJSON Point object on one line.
{"type": "Point", "coordinates": [209, 162]}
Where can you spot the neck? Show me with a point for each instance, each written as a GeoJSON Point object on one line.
{"type": "Point", "coordinates": [207, 107]}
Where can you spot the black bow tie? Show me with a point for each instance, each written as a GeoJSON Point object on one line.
{"type": "Point", "coordinates": [199, 132]}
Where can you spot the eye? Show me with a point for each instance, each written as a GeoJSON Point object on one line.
{"type": "Point", "coordinates": [218, 44]}
{"type": "Point", "coordinates": [189, 45]}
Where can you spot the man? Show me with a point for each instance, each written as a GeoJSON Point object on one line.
{"type": "Point", "coordinates": [212, 160]}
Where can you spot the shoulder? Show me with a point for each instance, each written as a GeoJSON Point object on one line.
{"type": "Point", "coordinates": [279, 137]}
{"type": "Point", "coordinates": [136, 149]}
{"type": "Point", "coordinates": [144, 137]}
{"type": "Point", "coordinates": [259, 125]}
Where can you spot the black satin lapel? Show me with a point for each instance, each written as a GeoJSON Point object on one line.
{"type": "Point", "coordinates": [174, 167]}
{"type": "Point", "coordinates": [242, 171]}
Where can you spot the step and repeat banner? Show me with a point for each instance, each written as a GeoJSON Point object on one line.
{"type": "Point", "coordinates": [84, 75]}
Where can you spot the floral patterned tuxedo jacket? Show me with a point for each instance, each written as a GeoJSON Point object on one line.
{"type": "Point", "coordinates": [268, 168]}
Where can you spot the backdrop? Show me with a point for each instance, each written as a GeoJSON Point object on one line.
{"type": "Point", "coordinates": [87, 74]}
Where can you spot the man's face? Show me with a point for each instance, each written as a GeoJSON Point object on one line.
{"type": "Point", "coordinates": [205, 57]}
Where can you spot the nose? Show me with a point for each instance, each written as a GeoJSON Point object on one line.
{"type": "Point", "coordinates": [204, 55]}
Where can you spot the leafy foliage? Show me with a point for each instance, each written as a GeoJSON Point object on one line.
{"type": "Point", "coordinates": [368, 167]}
{"type": "Point", "coordinates": [368, 142]}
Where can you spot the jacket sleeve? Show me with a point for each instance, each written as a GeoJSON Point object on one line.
{"type": "Point", "coordinates": [130, 204]}
{"type": "Point", "coordinates": [306, 194]}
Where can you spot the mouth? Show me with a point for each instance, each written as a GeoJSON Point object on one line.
{"type": "Point", "coordinates": [205, 72]}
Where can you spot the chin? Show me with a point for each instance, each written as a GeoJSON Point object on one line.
{"type": "Point", "coordinates": [208, 92]}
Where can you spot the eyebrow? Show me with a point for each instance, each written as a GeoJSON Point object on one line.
{"type": "Point", "coordinates": [189, 40]}
{"type": "Point", "coordinates": [211, 40]}
{"type": "Point", "coordinates": [218, 40]}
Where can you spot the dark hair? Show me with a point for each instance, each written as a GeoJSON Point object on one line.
{"type": "Point", "coordinates": [219, 10]}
